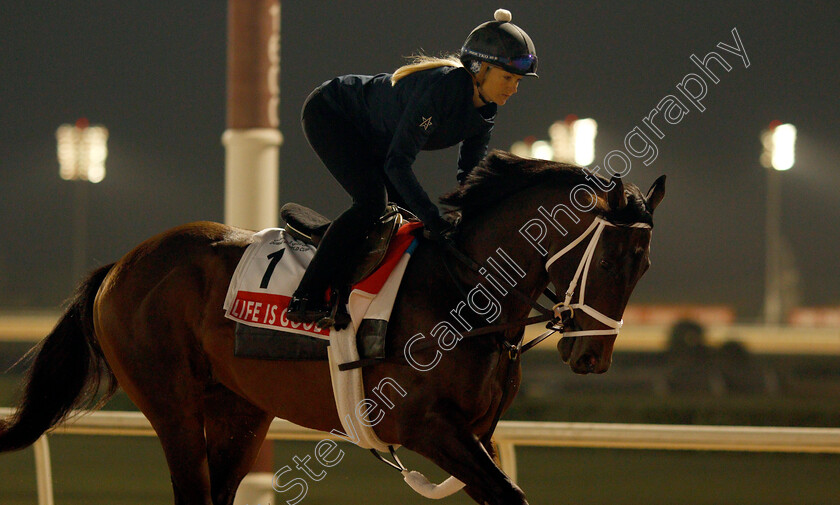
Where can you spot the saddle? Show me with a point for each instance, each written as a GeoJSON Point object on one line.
{"type": "Point", "coordinates": [309, 226]}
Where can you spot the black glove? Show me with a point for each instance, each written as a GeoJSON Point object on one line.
{"type": "Point", "coordinates": [441, 231]}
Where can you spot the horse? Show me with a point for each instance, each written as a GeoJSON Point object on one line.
{"type": "Point", "coordinates": [152, 323]}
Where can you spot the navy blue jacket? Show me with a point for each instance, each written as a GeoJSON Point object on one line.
{"type": "Point", "coordinates": [426, 110]}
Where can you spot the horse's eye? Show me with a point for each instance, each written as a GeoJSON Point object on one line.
{"type": "Point", "coordinates": [606, 265]}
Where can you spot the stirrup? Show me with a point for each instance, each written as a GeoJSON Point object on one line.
{"type": "Point", "coordinates": [340, 319]}
{"type": "Point", "coordinates": [304, 314]}
{"type": "Point", "coordinates": [326, 322]}
{"type": "Point", "coordinates": [337, 319]}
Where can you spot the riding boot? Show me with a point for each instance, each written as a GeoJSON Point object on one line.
{"type": "Point", "coordinates": [331, 265]}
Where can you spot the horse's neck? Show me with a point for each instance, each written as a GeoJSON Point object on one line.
{"type": "Point", "coordinates": [510, 261]}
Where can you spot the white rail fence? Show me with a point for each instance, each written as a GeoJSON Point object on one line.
{"type": "Point", "coordinates": [509, 435]}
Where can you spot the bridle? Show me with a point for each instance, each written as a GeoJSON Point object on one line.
{"type": "Point", "coordinates": [562, 312]}
{"type": "Point", "coordinates": [597, 226]}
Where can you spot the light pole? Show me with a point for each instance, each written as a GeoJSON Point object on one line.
{"type": "Point", "coordinates": [778, 155]}
{"type": "Point", "coordinates": [82, 150]}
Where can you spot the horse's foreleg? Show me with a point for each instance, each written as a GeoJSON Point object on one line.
{"type": "Point", "coordinates": [235, 429]}
{"type": "Point", "coordinates": [490, 446]}
{"type": "Point", "coordinates": [443, 438]}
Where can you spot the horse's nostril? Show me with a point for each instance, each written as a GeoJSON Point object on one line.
{"type": "Point", "coordinates": [587, 363]}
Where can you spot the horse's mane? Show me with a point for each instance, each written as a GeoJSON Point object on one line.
{"type": "Point", "coordinates": [503, 174]}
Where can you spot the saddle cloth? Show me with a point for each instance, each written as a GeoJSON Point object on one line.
{"type": "Point", "coordinates": [271, 268]}
{"type": "Point", "coordinates": [261, 288]}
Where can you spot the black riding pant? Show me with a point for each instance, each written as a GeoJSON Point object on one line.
{"type": "Point", "coordinates": [360, 172]}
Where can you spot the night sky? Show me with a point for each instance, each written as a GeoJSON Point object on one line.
{"type": "Point", "coordinates": [153, 73]}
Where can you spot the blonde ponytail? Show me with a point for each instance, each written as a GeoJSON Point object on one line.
{"type": "Point", "coordinates": [423, 62]}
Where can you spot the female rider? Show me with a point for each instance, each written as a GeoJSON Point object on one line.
{"type": "Point", "coordinates": [368, 130]}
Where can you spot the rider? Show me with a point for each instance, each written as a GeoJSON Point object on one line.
{"type": "Point", "coordinates": [368, 130]}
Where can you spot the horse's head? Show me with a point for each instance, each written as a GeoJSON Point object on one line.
{"type": "Point", "coordinates": [594, 248]}
{"type": "Point", "coordinates": [600, 269]}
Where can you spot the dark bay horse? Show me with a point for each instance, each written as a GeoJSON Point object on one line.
{"type": "Point", "coordinates": [153, 322]}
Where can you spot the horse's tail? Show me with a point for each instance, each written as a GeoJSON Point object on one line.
{"type": "Point", "coordinates": [67, 371]}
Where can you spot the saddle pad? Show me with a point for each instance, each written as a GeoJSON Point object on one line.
{"type": "Point", "coordinates": [264, 280]}
{"type": "Point", "coordinates": [260, 343]}
{"type": "Point", "coordinates": [271, 268]}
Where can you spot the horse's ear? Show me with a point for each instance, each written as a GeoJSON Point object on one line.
{"type": "Point", "coordinates": [616, 197]}
{"type": "Point", "coordinates": [656, 193]}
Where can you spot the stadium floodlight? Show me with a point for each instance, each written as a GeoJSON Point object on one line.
{"type": "Point", "coordinates": [561, 141]}
{"type": "Point", "coordinates": [82, 150]}
{"type": "Point", "coordinates": [573, 140]}
{"type": "Point", "coordinates": [521, 148]}
{"type": "Point", "coordinates": [542, 150]}
{"type": "Point", "coordinates": [583, 135]}
{"type": "Point", "coordinates": [784, 140]}
{"type": "Point", "coordinates": [779, 146]}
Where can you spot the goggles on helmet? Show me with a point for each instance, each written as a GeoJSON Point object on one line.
{"type": "Point", "coordinates": [526, 63]}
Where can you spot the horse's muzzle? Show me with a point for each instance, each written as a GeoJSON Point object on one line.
{"type": "Point", "coordinates": [584, 355]}
{"type": "Point", "coordinates": [565, 346]}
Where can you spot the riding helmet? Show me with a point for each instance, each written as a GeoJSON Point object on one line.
{"type": "Point", "coordinates": [500, 43]}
